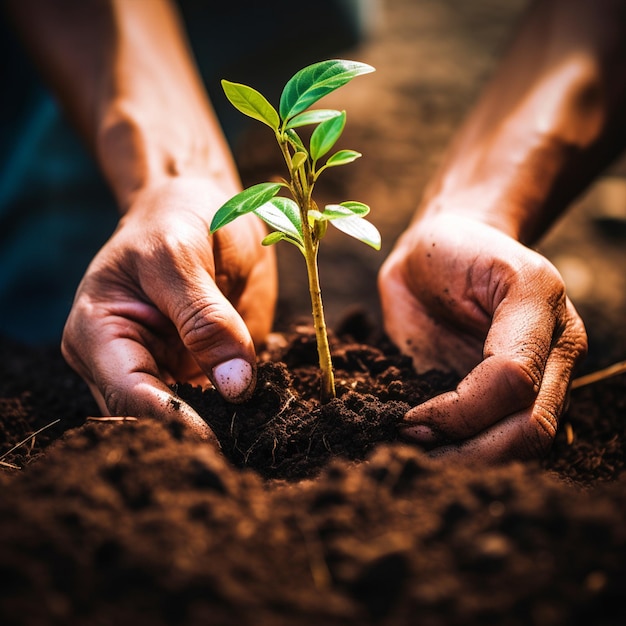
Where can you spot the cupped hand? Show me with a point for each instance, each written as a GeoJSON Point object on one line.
{"type": "Point", "coordinates": [459, 295]}
{"type": "Point", "coordinates": [163, 302]}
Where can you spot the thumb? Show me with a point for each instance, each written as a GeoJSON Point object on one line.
{"type": "Point", "coordinates": [215, 334]}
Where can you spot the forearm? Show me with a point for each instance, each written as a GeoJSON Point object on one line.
{"type": "Point", "coordinates": [123, 72]}
{"type": "Point", "coordinates": [548, 122]}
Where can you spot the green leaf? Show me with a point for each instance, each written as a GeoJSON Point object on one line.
{"type": "Point", "coordinates": [346, 209]}
{"type": "Point", "coordinates": [326, 134]}
{"type": "Point", "coordinates": [312, 117]}
{"type": "Point", "coordinates": [282, 214]}
{"type": "Point", "coordinates": [339, 211]}
{"type": "Point", "coordinates": [315, 215]}
{"type": "Point", "coordinates": [319, 229]}
{"type": "Point", "coordinates": [272, 238]}
{"type": "Point", "coordinates": [360, 229]}
{"type": "Point", "coordinates": [342, 157]}
{"type": "Point", "coordinates": [295, 141]}
{"type": "Point", "coordinates": [298, 159]}
{"type": "Point", "coordinates": [244, 202]}
{"type": "Point", "coordinates": [315, 81]}
{"type": "Point", "coordinates": [250, 102]}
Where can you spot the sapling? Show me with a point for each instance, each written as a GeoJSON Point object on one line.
{"type": "Point", "coordinates": [296, 218]}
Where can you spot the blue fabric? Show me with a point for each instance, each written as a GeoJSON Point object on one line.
{"type": "Point", "coordinates": [55, 209]}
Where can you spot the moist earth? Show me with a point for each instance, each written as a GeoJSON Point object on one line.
{"type": "Point", "coordinates": [323, 519]}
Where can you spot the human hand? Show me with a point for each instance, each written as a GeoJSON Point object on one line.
{"type": "Point", "coordinates": [164, 302]}
{"type": "Point", "coordinates": [459, 295]}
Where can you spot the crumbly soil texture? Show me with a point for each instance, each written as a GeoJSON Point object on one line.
{"type": "Point", "coordinates": [284, 431]}
{"type": "Point", "coordinates": [312, 514]}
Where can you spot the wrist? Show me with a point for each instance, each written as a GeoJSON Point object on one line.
{"type": "Point", "coordinates": [137, 153]}
{"type": "Point", "coordinates": [518, 177]}
{"type": "Point", "coordinates": [543, 127]}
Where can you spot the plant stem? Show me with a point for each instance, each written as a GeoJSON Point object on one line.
{"type": "Point", "coordinates": [301, 190]}
{"type": "Point", "coordinates": [327, 391]}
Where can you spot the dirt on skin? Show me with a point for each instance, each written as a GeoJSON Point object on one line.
{"type": "Point", "coordinates": [327, 518]}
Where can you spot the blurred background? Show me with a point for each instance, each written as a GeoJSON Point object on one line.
{"type": "Point", "coordinates": [432, 58]}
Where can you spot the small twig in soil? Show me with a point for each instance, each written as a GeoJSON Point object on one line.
{"type": "Point", "coordinates": [594, 377]}
{"type": "Point", "coordinates": [25, 440]}
{"type": "Point", "coordinates": [10, 465]}
{"type": "Point", "coordinates": [112, 418]}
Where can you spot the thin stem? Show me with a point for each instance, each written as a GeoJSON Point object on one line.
{"type": "Point", "coordinates": [319, 323]}
{"type": "Point", "coordinates": [302, 191]}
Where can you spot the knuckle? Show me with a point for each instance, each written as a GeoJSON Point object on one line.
{"type": "Point", "coordinates": [523, 375]}
{"type": "Point", "coordinates": [541, 275]}
{"type": "Point", "coordinates": [172, 243]}
{"type": "Point", "coordinates": [115, 400]}
{"type": "Point", "coordinates": [552, 283]}
{"type": "Point", "coordinates": [575, 335]}
{"type": "Point", "coordinates": [201, 329]}
{"type": "Point", "coordinates": [544, 424]}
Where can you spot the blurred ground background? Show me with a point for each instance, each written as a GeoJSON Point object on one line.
{"type": "Point", "coordinates": [432, 58]}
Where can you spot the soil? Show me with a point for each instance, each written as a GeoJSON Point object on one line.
{"type": "Point", "coordinates": [317, 514]}
{"type": "Point", "coordinates": [312, 515]}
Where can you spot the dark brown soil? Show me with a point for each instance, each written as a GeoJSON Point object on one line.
{"type": "Point", "coordinates": [138, 523]}
{"type": "Point", "coordinates": [285, 432]}
{"type": "Point", "coordinates": [320, 516]}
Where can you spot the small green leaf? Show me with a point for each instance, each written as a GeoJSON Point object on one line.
{"type": "Point", "coordinates": [342, 157]}
{"type": "Point", "coordinates": [350, 208]}
{"type": "Point", "coordinates": [272, 238]}
{"type": "Point", "coordinates": [326, 134]}
{"type": "Point", "coordinates": [345, 209]}
{"type": "Point", "coordinates": [298, 159]}
{"type": "Point", "coordinates": [314, 82]}
{"type": "Point", "coordinates": [250, 102]}
{"type": "Point", "coordinates": [282, 214]}
{"type": "Point", "coordinates": [358, 208]}
{"type": "Point", "coordinates": [360, 229]}
{"type": "Point", "coordinates": [312, 117]}
{"type": "Point", "coordinates": [319, 229]}
{"type": "Point", "coordinates": [244, 202]}
{"type": "Point", "coordinates": [315, 216]}
{"type": "Point", "coordinates": [295, 141]}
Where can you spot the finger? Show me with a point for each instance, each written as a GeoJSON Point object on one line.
{"type": "Point", "coordinates": [212, 331]}
{"type": "Point", "coordinates": [502, 383]}
{"type": "Point", "coordinates": [492, 389]}
{"type": "Point", "coordinates": [125, 381]}
{"type": "Point", "coordinates": [509, 378]}
{"type": "Point", "coordinates": [529, 433]}
{"type": "Point", "coordinates": [497, 444]}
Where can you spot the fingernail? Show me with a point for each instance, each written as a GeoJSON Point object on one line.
{"type": "Point", "coordinates": [420, 433]}
{"type": "Point", "coordinates": [234, 379]}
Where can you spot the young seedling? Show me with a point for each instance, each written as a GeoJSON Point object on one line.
{"type": "Point", "coordinates": [298, 219]}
